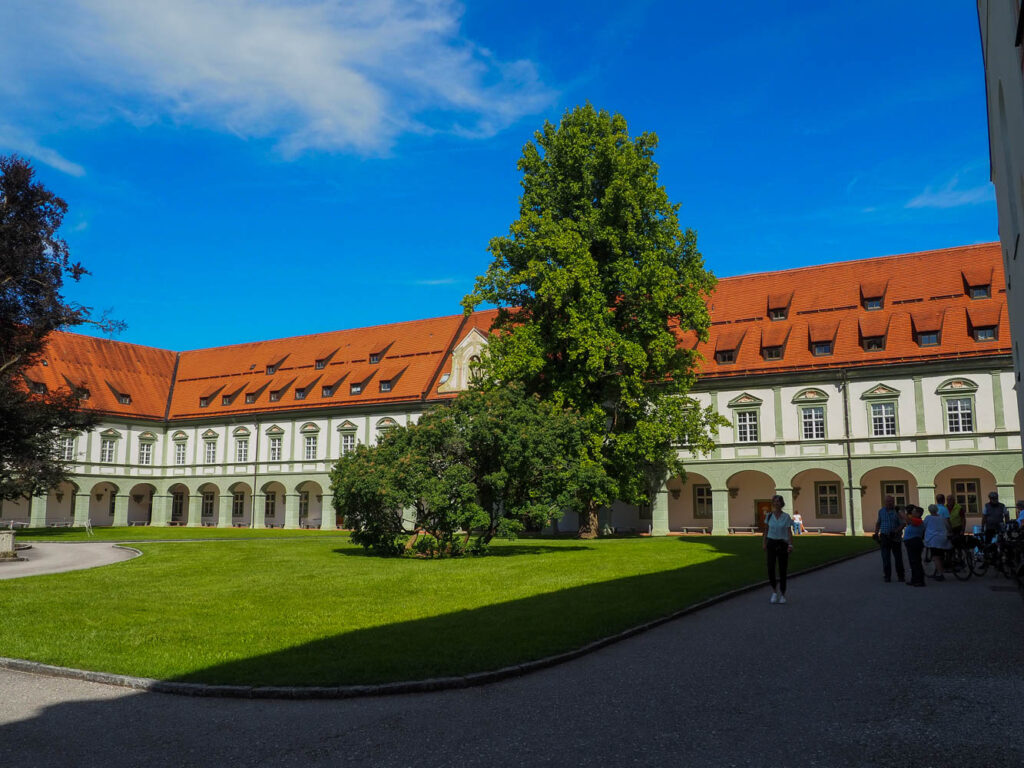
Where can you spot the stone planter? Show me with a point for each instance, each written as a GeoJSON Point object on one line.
{"type": "Point", "coordinates": [7, 546]}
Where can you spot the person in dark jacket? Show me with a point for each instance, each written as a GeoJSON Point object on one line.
{"type": "Point", "coordinates": [888, 531]}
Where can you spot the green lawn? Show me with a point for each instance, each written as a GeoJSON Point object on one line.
{"type": "Point", "coordinates": [318, 611]}
{"type": "Point", "coordinates": [175, 533]}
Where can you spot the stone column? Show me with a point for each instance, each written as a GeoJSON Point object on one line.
{"type": "Point", "coordinates": [80, 509]}
{"type": "Point", "coordinates": [161, 510]}
{"type": "Point", "coordinates": [259, 509]}
{"type": "Point", "coordinates": [224, 511]}
{"type": "Point", "coordinates": [720, 511]}
{"type": "Point", "coordinates": [195, 510]}
{"type": "Point", "coordinates": [659, 511]}
{"type": "Point", "coordinates": [291, 510]}
{"type": "Point", "coordinates": [855, 526]}
{"type": "Point", "coordinates": [787, 496]}
{"type": "Point", "coordinates": [37, 512]}
{"type": "Point", "coordinates": [328, 522]}
{"type": "Point", "coordinates": [120, 509]}
{"type": "Point", "coordinates": [925, 495]}
{"type": "Point", "coordinates": [1006, 496]}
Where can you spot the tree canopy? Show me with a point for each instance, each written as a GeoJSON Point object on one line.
{"type": "Point", "coordinates": [599, 290]}
{"type": "Point", "coordinates": [34, 262]}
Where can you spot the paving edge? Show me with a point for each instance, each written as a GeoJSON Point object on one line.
{"type": "Point", "coordinates": [383, 689]}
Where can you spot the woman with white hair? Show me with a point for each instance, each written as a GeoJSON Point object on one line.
{"type": "Point", "coordinates": [936, 538]}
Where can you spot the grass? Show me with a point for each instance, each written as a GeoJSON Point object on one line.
{"type": "Point", "coordinates": [317, 611]}
{"type": "Point", "coordinates": [170, 533]}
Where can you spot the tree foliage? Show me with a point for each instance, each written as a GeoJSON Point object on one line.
{"type": "Point", "coordinates": [34, 262]}
{"type": "Point", "coordinates": [598, 288]}
{"type": "Point", "coordinates": [490, 461]}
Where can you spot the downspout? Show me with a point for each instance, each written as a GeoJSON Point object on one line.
{"type": "Point", "coordinates": [849, 455]}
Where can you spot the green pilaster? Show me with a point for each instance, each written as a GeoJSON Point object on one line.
{"type": "Point", "coordinates": [922, 445]}
{"type": "Point", "coordinates": [720, 511]}
{"type": "Point", "coordinates": [777, 392]}
{"type": "Point", "coordinates": [291, 510]}
{"type": "Point", "coordinates": [659, 512]}
{"type": "Point", "coordinates": [259, 501]}
{"type": "Point", "coordinates": [161, 510]}
{"type": "Point", "coordinates": [856, 526]}
{"type": "Point", "coordinates": [224, 510]}
{"type": "Point", "coordinates": [80, 508]}
{"type": "Point", "coordinates": [195, 510]}
{"type": "Point", "coordinates": [120, 510]}
{"type": "Point", "coordinates": [37, 512]}
{"type": "Point", "coordinates": [997, 401]}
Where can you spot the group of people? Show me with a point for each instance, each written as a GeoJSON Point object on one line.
{"type": "Point", "coordinates": [908, 526]}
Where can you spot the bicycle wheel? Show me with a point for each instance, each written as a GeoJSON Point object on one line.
{"type": "Point", "coordinates": [929, 563]}
{"type": "Point", "coordinates": [961, 567]}
{"type": "Point", "coordinates": [976, 558]}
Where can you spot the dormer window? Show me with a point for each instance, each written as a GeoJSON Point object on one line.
{"type": "Point", "coordinates": [300, 394]}
{"type": "Point", "coordinates": [821, 348]}
{"type": "Point", "coordinates": [385, 385]}
{"type": "Point", "coordinates": [355, 389]}
{"type": "Point", "coordinates": [204, 402]}
{"type": "Point", "coordinates": [321, 364]}
{"type": "Point", "coordinates": [124, 399]}
{"type": "Point", "coordinates": [225, 400]}
{"type": "Point", "coordinates": [275, 395]}
{"type": "Point", "coordinates": [981, 291]}
{"type": "Point", "coordinates": [873, 303]}
{"type": "Point", "coordinates": [37, 387]}
{"type": "Point", "coordinates": [985, 333]}
{"type": "Point", "coordinates": [771, 353]}
{"type": "Point", "coordinates": [271, 370]}
{"type": "Point", "coordinates": [778, 313]}
{"type": "Point", "coordinates": [250, 398]}
{"type": "Point", "coordinates": [725, 356]}
{"type": "Point", "coordinates": [374, 358]}
{"type": "Point", "coordinates": [874, 343]}
{"type": "Point", "coordinates": [927, 338]}
{"type": "Point", "coordinates": [326, 391]}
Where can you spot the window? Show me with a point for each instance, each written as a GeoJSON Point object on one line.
{"type": "Point", "coordinates": [385, 385]}
{"type": "Point", "coordinates": [813, 418]}
{"type": "Point", "coordinates": [959, 416]}
{"type": "Point", "coordinates": [746, 426]}
{"type": "Point", "coordinates": [779, 313]}
{"type": "Point", "coordinates": [348, 442]}
{"type": "Point", "coordinates": [927, 338]}
{"type": "Point", "coordinates": [965, 493]}
{"type": "Point", "coordinates": [321, 364]}
{"type": "Point", "coordinates": [702, 502]}
{"type": "Point", "coordinates": [300, 394]}
{"type": "Point", "coordinates": [826, 500]}
{"type": "Point", "coordinates": [820, 348]}
{"type": "Point", "coordinates": [108, 450]}
{"type": "Point", "coordinates": [355, 389]}
{"type": "Point", "coordinates": [207, 503]}
{"type": "Point", "coordinates": [145, 454]}
{"type": "Point", "coordinates": [326, 391]}
{"type": "Point", "coordinates": [275, 396]}
{"type": "Point", "coordinates": [725, 356]}
{"type": "Point", "coordinates": [113, 504]}
{"type": "Point", "coordinates": [225, 400]}
{"type": "Point", "coordinates": [179, 454]}
{"type": "Point", "coordinates": [38, 387]}
{"type": "Point", "coordinates": [204, 402]}
{"type": "Point", "coordinates": [310, 448]}
{"type": "Point", "coordinates": [883, 419]}
{"type": "Point", "coordinates": [238, 504]}
{"type": "Point", "coordinates": [985, 333]}
{"type": "Point", "coordinates": [873, 304]}
{"type": "Point", "coordinates": [67, 448]}
{"type": "Point", "coordinates": [124, 399]}
{"type": "Point", "coordinates": [897, 489]}
{"type": "Point", "coordinates": [177, 505]}
{"type": "Point", "coordinates": [271, 370]}
{"type": "Point", "coordinates": [211, 451]}
{"type": "Point", "coordinates": [250, 398]}
{"type": "Point", "coordinates": [980, 291]}
{"type": "Point", "coordinates": [275, 449]}
{"type": "Point", "coordinates": [772, 353]}
{"type": "Point", "coordinates": [874, 343]}
{"type": "Point", "coordinates": [303, 504]}
{"type": "Point", "coordinates": [270, 504]}
{"type": "Point", "coordinates": [374, 358]}
{"type": "Point", "coordinates": [242, 449]}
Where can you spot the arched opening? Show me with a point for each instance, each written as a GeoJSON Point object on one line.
{"type": "Point", "coordinates": [750, 498]}
{"type": "Point", "coordinates": [140, 504]}
{"type": "Point", "coordinates": [209, 505]}
{"type": "Point", "coordinates": [880, 482]}
{"type": "Point", "coordinates": [969, 485]}
{"type": "Point", "coordinates": [311, 504]}
{"type": "Point", "coordinates": [60, 504]}
{"type": "Point", "coordinates": [15, 511]}
{"type": "Point", "coordinates": [1018, 488]}
{"type": "Point", "coordinates": [273, 504]}
{"type": "Point", "coordinates": [819, 497]}
{"type": "Point", "coordinates": [241, 505]}
{"type": "Point", "coordinates": [180, 504]}
{"type": "Point", "coordinates": [689, 502]}
{"type": "Point", "coordinates": [102, 500]}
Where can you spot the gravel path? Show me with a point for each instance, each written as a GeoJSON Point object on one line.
{"type": "Point", "coordinates": [852, 672]}
{"type": "Point", "coordinates": [49, 557]}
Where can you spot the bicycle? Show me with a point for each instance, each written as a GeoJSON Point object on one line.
{"type": "Point", "coordinates": [956, 561]}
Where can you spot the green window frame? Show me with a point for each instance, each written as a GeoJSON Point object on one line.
{"type": "Point", "coordinates": [967, 493]}
{"type": "Point", "coordinates": [897, 489]}
{"type": "Point", "coordinates": [828, 500]}
{"type": "Point", "coordinates": [959, 414]}
{"type": "Point", "coordinates": [270, 504]}
{"type": "Point", "coordinates": [208, 502]}
{"type": "Point", "coordinates": [747, 426]}
{"type": "Point", "coordinates": [883, 416]}
{"type": "Point", "coordinates": [812, 422]}
{"type": "Point", "coordinates": [702, 509]}
{"type": "Point", "coordinates": [177, 505]}
{"type": "Point", "coordinates": [238, 504]}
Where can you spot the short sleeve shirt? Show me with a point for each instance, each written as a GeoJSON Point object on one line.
{"type": "Point", "coordinates": [779, 527]}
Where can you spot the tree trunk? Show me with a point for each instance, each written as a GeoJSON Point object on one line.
{"type": "Point", "coordinates": [588, 522]}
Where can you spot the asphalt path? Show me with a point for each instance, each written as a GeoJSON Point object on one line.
{"type": "Point", "coordinates": [49, 557]}
{"type": "Point", "coordinates": [851, 672]}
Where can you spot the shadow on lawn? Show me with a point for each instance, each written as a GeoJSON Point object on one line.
{"type": "Point", "coordinates": [493, 636]}
{"type": "Point", "coordinates": [510, 550]}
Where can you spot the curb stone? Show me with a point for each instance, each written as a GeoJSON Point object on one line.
{"type": "Point", "coordinates": [382, 689]}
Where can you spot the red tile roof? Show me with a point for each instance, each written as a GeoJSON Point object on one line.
{"type": "Point", "coordinates": [923, 292]}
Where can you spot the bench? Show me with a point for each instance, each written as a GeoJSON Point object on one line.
{"type": "Point", "coordinates": [176, 523]}
{"type": "Point", "coordinates": [693, 529]}
{"type": "Point", "coordinates": [137, 522]}
{"type": "Point", "coordinates": [743, 529]}
{"type": "Point", "coordinates": [814, 529]}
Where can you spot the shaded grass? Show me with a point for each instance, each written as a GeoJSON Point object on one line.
{"type": "Point", "coordinates": [301, 612]}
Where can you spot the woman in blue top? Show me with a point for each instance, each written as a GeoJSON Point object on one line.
{"type": "Point", "coordinates": [778, 543]}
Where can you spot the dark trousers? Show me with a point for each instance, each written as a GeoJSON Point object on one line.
{"type": "Point", "coordinates": [915, 547]}
{"type": "Point", "coordinates": [891, 550]}
{"type": "Point", "coordinates": [778, 552]}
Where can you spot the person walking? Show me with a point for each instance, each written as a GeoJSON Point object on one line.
{"type": "Point", "coordinates": [913, 540]}
{"type": "Point", "coordinates": [936, 538]}
{"type": "Point", "coordinates": [777, 542]}
{"type": "Point", "coordinates": [888, 529]}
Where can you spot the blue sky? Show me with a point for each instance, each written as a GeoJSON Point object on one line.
{"type": "Point", "coordinates": [240, 170]}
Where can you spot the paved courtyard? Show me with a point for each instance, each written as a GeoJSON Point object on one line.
{"type": "Point", "coordinates": [852, 672]}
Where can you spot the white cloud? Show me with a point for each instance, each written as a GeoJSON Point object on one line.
{"type": "Point", "coordinates": [436, 281]}
{"type": "Point", "coordinates": [308, 74]}
{"type": "Point", "coordinates": [951, 196]}
{"type": "Point", "coordinates": [15, 141]}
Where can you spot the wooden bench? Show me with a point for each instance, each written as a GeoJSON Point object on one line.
{"type": "Point", "coordinates": [176, 523]}
{"type": "Point", "coordinates": [742, 529]}
{"type": "Point", "coordinates": [137, 522]}
{"type": "Point", "coordinates": [814, 529]}
{"type": "Point", "coordinates": [694, 529]}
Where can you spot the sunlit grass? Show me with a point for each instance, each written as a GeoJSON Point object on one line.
{"type": "Point", "coordinates": [318, 611]}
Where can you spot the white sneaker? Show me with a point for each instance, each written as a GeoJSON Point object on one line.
{"type": "Point", "coordinates": [782, 599]}
{"type": "Point", "coordinates": [774, 598]}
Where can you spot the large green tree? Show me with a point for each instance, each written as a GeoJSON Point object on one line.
{"type": "Point", "coordinates": [601, 297]}
{"type": "Point", "coordinates": [34, 262]}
